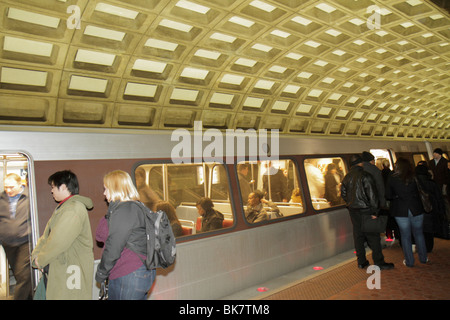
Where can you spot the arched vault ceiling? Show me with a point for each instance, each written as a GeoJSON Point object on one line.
{"type": "Point", "coordinates": [301, 66]}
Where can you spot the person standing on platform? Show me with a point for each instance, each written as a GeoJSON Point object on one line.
{"type": "Point", "coordinates": [406, 207]}
{"type": "Point", "coordinates": [65, 250]}
{"type": "Point", "coordinates": [359, 191]}
{"type": "Point", "coordinates": [439, 167]}
{"type": "Point", "coordinates": [123, 227]}
{"type": "Point", "coordinates": [15, 233]}
{"type": "Point", "coordinates": [370, 167]}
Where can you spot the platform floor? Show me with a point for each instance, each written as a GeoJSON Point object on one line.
{"type": "Point", "coordinates": [340, 279]}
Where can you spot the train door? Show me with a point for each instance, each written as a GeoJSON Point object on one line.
{"type": "Point", "coordinates": [382, 156]}
{"type": "Point", "coordinates": [18, 219]}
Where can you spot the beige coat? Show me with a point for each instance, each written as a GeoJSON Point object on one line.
{"type": "Point", "coordinates": [67, 247]}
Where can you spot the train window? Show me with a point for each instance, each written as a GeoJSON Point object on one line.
{"type": "Point", "coordinates": [178, 187]}
{"type": "Point", "coordinates": [19, 225]}
{"type": "Point", "coordinates": [324, 176]}
{"type": "Point", "coordinates": [269, 189]}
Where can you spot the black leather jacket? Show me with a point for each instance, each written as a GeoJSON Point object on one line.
{"type": "Point", "coordinates": [358, 189]}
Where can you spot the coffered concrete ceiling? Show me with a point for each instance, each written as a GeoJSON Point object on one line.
{"type": "Point", "coordinates": [343, 68]}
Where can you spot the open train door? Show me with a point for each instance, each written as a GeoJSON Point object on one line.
{"type": "Point", "coordinates": [21, 164]}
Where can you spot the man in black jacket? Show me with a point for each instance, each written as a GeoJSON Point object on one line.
{"type": "Point", "coordinates": [359, 191]}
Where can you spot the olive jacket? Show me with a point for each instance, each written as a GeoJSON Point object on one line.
{"type": "Point", "coordinates": [67, 248]}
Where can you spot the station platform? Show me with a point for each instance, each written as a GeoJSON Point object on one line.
{"type": "Point", "coordinates": [339, 278]}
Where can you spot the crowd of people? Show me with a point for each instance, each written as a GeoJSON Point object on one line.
{"type": "Point", "coordinates": [369, 191]}
{"type": "Point", "coordinates": [67, 239]}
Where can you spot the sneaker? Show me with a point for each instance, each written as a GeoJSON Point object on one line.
{"type": "Point", "coordinates": [404, 262]}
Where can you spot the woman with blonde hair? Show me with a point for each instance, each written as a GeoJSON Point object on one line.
{"type": "Point", "coordinates": [124, 224]}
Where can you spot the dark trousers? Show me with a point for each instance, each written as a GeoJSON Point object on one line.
{"type": "Point", "coordinates": [359, 238]}
{"type": "Point", "coordinates": [19, 260]}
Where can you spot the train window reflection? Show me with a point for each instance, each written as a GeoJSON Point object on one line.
{"type": "Point", "coordinates": [324, 177]}
{"type": "Point", "coordinates": [180, 187]}
{"type": "Point", "coordinates": [269, 189]}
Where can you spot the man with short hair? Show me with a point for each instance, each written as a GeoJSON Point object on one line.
{"type": "Point", "coordinates": [370, 167]}
{"type": "Point", "coordinates": [360, 193]}
{"type": "Point", "coordinates": [255, 211]}
{"type": "Point", "coordinates": [66, 246]}
{"type": "Point", "coordinates": [15, 233]}
{"type": "Point", "coordinates": [439, 167]}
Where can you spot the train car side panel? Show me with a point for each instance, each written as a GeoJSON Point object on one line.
{"type": "Point", "coordinates": [215, 267]}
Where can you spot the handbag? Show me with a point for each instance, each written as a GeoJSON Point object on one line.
{"type": "Point", "coordinates": [377, 225]}
{"type": "Point", "coordinates": [424, 197]}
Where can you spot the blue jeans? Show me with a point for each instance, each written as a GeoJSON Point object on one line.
{"type": "Point", "coordinates": [412, 224]}
{"type": "Point", "coordinates": [133, 286]}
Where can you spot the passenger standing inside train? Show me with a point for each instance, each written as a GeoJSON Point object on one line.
{"type": "Point", "coordinates": [146, 194]}
{"type": "Point", "coordinates": [124, 223]}
{"type": "Point", "coordinates": [65, 248]}
{"type": "Point", "coordinates": [406, 207]}
{"type": "Point", "coordinates": [244, 184]}
{"type": "Point", "coordinates": [255, 211]}
{"type": "Point", "coordinates": [278, 184]}
{"type": "Point", "coordinates": [172, 215]}
{"type": "Point", "coordinates": [358, 190]}
{"type": "Point", "coordinates": [332, 185]}
{"type": "Point", "coordinates": [15, 233]}
{"type": "Point", "coordinates": [211, 218]}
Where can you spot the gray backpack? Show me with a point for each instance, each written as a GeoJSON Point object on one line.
{"type": "Point", "coordinates": [161, 243]}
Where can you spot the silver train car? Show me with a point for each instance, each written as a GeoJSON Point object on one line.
{"type": "Point", "coordinates": [215, 264]}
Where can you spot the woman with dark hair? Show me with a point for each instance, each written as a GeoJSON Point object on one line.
{"type": "Point", "coordinates": [407, 208]}
{"type": "Point", "coordinates": [211, 218]}
{"type": "Point", "coordinates": [172, 215]}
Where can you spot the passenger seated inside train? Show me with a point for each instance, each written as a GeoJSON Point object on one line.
{"type": "Point", "coordinates": [296, 197]}
{"type": "Point", "coordinates": [255, 211]}
{"type": "Point", "coordinates": [211, 218]}
{"type": "Point", "coordinates": [171, 214]}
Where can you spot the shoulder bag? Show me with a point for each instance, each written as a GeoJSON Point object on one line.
{"type": "Point", "coordinates": [424, 197]}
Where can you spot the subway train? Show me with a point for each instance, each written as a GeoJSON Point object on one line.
{"type": "Point", "coordinates": [215, 264]}
{"type": "Point", "coordinates": [95, 86]}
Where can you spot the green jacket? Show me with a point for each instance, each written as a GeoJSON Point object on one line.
{"type": "Point", "coordinates": [67, 248]}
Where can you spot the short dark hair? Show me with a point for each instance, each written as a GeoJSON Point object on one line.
{"type": "Point", "coordinates": [66, 177]}
{"type": "Point", "coordinates": [205, 203]}
{"type": "Point", "coordinates": [259, 194]}
{"type": "Point", "coordinates": [242, 166]}
{"type": "Point", "coordinates": [438, 150]}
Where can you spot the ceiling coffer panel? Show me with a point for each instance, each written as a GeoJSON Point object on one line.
{"type": "Point", "coordinates": [346, 68]}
